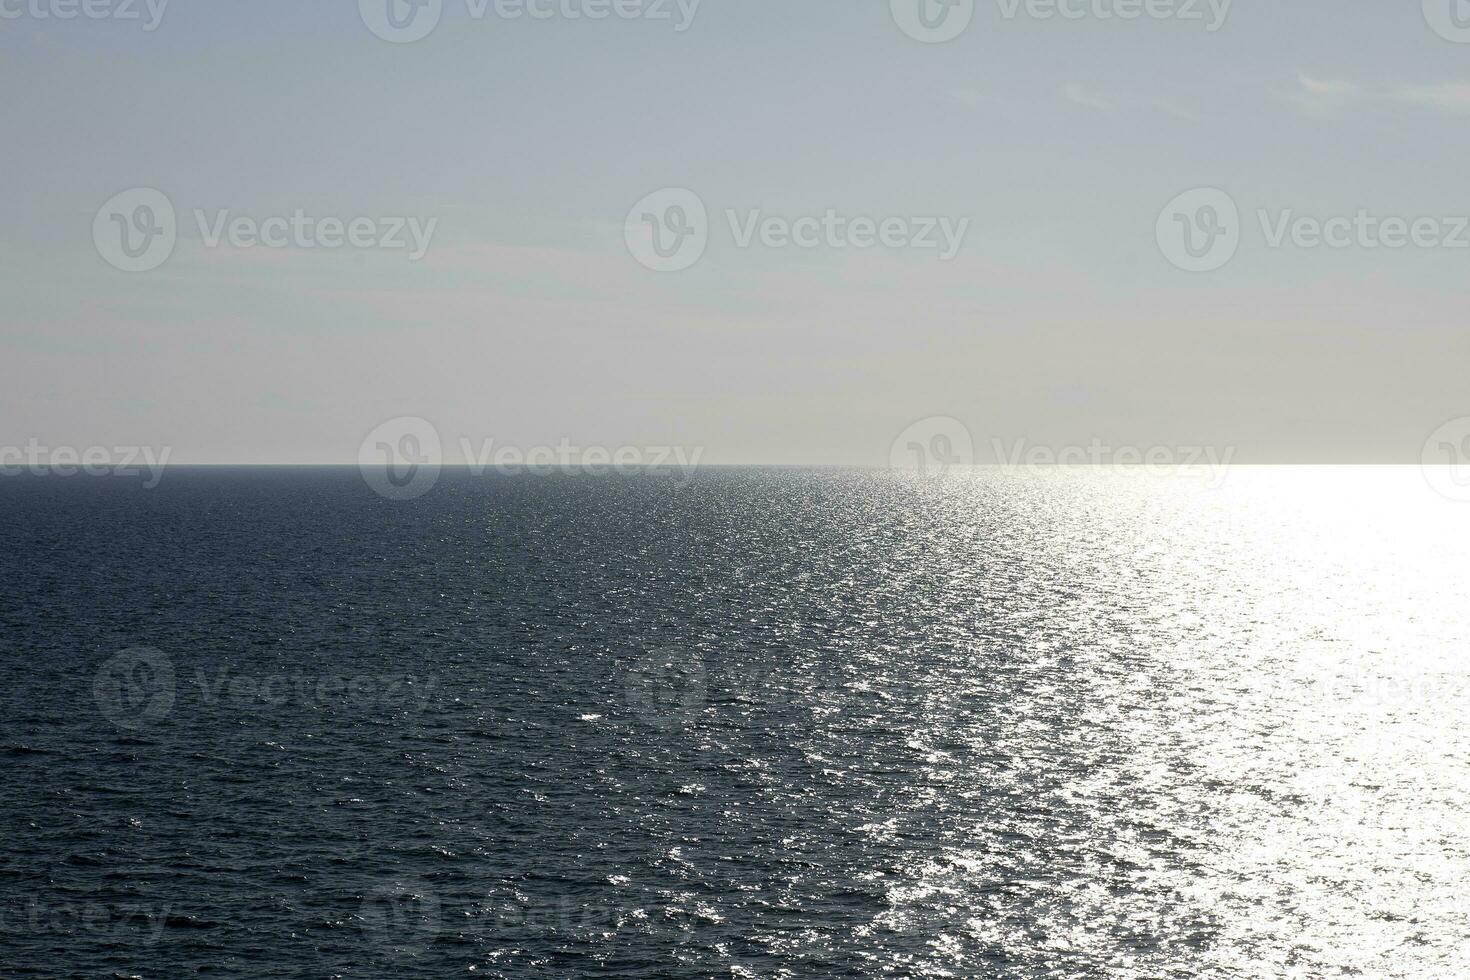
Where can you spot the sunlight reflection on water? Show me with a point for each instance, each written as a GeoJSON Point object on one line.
{"type": "Point", "coordinates": [1274, 677]}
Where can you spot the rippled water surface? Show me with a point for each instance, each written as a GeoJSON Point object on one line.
{"type": "Point", "coordinates": [770, 723]}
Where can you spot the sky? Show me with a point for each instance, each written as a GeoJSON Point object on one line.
{"type": "Point", "coordinates": [537, 158]}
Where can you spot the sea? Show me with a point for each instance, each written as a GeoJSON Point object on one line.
{"type": "Point", "coordinates": [744, 722]}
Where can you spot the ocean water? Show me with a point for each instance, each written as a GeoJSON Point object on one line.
{"type": "Point", "coordinates": [768, 723]}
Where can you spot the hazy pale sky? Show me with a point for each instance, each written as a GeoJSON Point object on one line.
{"type": "Point", "coordinates": [524, 143]}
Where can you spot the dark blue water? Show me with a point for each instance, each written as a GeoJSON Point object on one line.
{"type": "Point", "coordinates": [264, 723]}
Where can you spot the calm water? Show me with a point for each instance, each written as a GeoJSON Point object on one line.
{"type": "Point", "coordinates": [772, 723]}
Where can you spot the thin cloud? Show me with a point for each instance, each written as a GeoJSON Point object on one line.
{"type": "Point", "coordinates": [1091, 98]}
{"type": "Point", "coordinates": [1452, 96]}
{"type": "Point", "coordinates": [1074, 92]}
{"type": "Point", "coordinates": [970, 97]}
{"type": "Point", "coordinates": [1334, 88]}
{"type": "Point", "coordinates": [1321, 95]}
